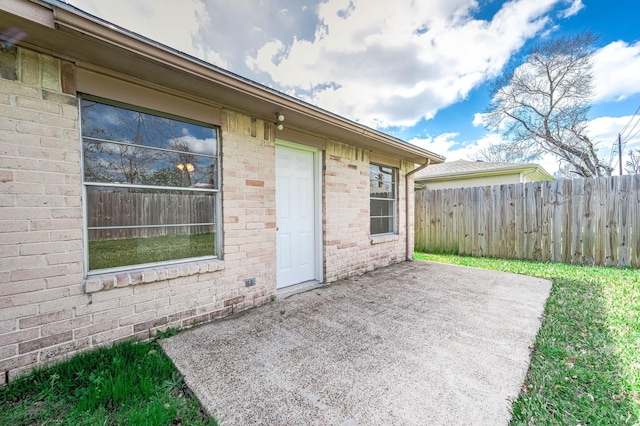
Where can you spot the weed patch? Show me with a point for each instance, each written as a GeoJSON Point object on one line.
{"type": "Point", "coordinates": [126, 384]}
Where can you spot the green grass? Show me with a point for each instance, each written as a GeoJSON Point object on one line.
{"type": "Point", "coordinates": [134, 251]}
{"type": "Point", "coordinates": [126, 384]}
{"type": "Point", "coordinates": [585, 363]}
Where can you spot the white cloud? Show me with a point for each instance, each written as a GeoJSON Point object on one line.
{"type": "Point", "coordinates": [606, 128]}
{"type": "Point", "coordinates": [199, 146]}
{"type": "Point", "coordinates": [174, 24]}
{"type": "Point", "coordinates": [616, 69]}
{"type": "Point", "coordinates": [448, 145]}
{"type": "Point", "coordinates": [469, 150]}
{"type": "Point", "coordinates": [388, 63]}
{"type": "Point", "coordinates": [441, 144]}
{"type": "Point", "coordinates": [478, 119]}
{"type": "Point", "coordinates": [572, 10]}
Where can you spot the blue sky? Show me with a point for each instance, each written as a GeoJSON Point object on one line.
{"type": "Point", "coordinates": [417, 70]}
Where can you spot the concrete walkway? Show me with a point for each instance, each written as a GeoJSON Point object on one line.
{"type": "Point", "coordinates": [417, 343]}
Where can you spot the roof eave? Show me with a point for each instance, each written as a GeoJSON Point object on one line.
{"type": "Point", "coordinates": [529, 170]}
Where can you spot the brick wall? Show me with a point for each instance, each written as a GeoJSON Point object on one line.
{"type": "Point", "coordinates": [47, 310]}
{"type": "Point", "coordinates": [41, 222]}
{"type": "Point", "coordinates": [348, 247]}
{"type": "Point", "coordinates": [249, 204]}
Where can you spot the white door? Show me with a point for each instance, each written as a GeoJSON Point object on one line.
{"type": "Point", "coordinates": [295, 212]}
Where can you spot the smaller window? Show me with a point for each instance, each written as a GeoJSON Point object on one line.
{"type": "Point", "coordinates": [383, 198]}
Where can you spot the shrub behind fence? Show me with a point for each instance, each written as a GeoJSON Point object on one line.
{"type": "Point", "coordinates": [584, 221]}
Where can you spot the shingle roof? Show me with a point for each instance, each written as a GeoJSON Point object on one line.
{"type": "Point", "coordinates": [465, 167]}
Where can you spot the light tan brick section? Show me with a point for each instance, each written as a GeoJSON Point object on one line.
{"type": "Point", "coordinates": [348, 247]}
{"type": "Point", "coordinates": [48, 310]}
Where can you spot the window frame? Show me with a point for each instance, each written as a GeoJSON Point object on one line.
{"type": "Point", "coordinates": [216, 191]}
{"type": "Point", "coordinates": [394, 199]}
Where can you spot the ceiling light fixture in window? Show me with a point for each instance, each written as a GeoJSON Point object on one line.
{"type": "Point", "coordinates": [190, 167]}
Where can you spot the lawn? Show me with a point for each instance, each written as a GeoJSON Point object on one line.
{"type": "Point", "coordinates": [137, 251]}
{"type": "Point", "coordinates": [585, 362]}
{"type": "Point", "coordinates": [126, 384]}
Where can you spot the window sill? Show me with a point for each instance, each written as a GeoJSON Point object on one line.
{"type": "Point", "coordinates": [109, 281]}
{"type": "Point", "coordinates": [388, 238]}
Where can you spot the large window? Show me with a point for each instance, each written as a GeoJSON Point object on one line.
{"type": "Point", "coordinates": [383, 196]}
{"type": "Point", "coordinates": [151, 185]}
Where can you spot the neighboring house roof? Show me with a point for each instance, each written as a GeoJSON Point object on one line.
{"type": "Point", "coordinates": [53, 25]}
{"type": "Point", "coordinates": [463, 169]}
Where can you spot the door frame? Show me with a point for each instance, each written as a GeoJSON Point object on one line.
{"type": "Point", "coordinates": [317, 203]}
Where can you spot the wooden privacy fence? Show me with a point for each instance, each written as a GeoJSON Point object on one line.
{"type": "Point", "coordinates": [583, 221]}
{"type": "Point", "coordinates": [123, 209]}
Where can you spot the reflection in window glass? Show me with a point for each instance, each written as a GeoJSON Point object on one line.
{"type": "Point", "coordinates": [151, 186]}
{"type": "Point", "coordinates": [121, 124]}
{"type": "Point", "coordinates": [382, 193]}
{"type": "Point", "coordinates": [119, 163]}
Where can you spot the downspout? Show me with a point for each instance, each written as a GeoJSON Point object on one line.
{"type": "Point", "coordinates": [408, 252]}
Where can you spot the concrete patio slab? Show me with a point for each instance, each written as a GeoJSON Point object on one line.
{"type": "Point", "coordinates": [418, 343]}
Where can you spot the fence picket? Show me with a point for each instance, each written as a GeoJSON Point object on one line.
{"type": "Point", "coordinates": [519, 230]}
{"type": "Point", "coordinates": [510, 233]}
{"type": "Point", "coordinates": [567, 189]}
{"type": "Point", "coordinates": [577, 209]}
{"type": "Point", "coordinates": [447, 244]}
{"type": "Point", "coordinates": [454, 221]}
{"type": "Point", "coordinates": [611, 220]}
{"type": "Point", "coordinates": [460, 219]}
{"type": "Point", "coordinates": [600, 203]}
{"type": "Point", "coordinates": [546, 243]}
{"type": "Point", "coordinates": [624, 234]}
{"type": "Point", "coordinates": [635, 222]}
{"type": "Point", "coordinates": [557, 200]}
{"type": "Point", "coordinates": [537, 221]}
{"type": "Point", "coordinates": [479, 222]}
{"type": "Point", "coordinates": [468, 223]}
{"type": "Point", "coordinates": [527, 220]}
{"type": "Point", "coordinates": [587, 224]}
{"type": "Point", "coordinates": [496, 230]}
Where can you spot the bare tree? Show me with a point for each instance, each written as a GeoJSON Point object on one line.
{"type": "Point", "coordinates": [633, 164]}
{"type": "Point", "coordinates": [545, 101]}
{"type": "Point", "coordinates": [507, 153]}
{"type": "Point", "coordinates": [127, 156]}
